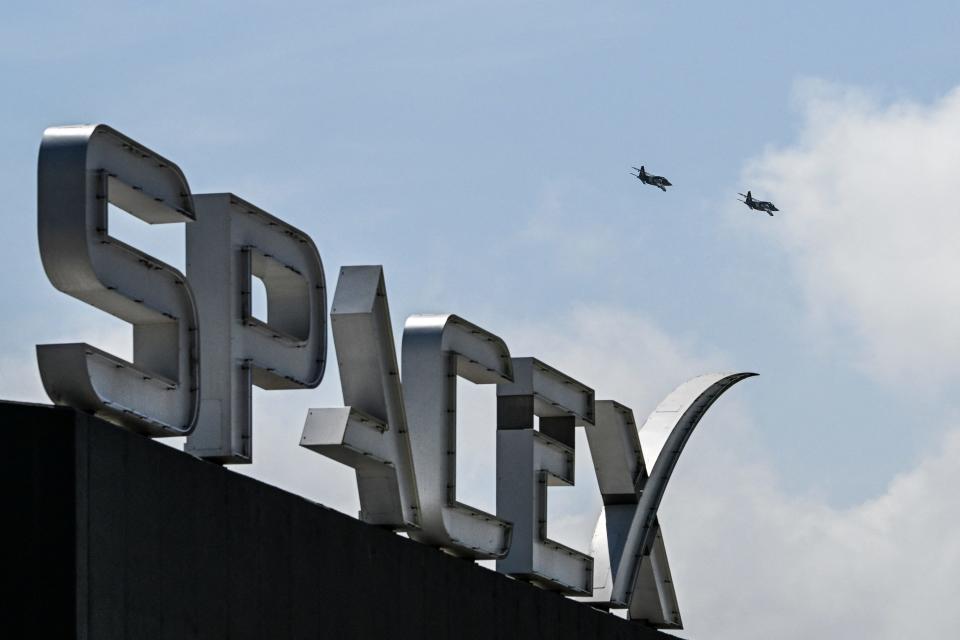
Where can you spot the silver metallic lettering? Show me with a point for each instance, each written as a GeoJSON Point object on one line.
{"type": "Point", "coordinates": [232, 242]}
{"type": "Point", "coordinates": [82, 169]}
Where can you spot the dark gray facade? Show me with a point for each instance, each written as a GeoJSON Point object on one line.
{"type": "Point", "coordinates": [117, 536]}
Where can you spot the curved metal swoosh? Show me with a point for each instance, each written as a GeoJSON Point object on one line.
{"type": "Point", "coordinates": [663, 436]}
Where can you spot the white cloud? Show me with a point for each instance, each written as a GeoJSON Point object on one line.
{"type": "Point", "coordinates": [751, 562]}
{"type": "Point", "coordinates": [871, 220]}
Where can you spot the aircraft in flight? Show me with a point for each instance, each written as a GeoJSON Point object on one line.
{"type": "Point", "coordinates": [758, 205]}
{"type": "Point", "coordinates": [657, 181]}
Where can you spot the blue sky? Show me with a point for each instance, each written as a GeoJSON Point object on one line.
{"type": "Point", "coordinates": [480, 152]}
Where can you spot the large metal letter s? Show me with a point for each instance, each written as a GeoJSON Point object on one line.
{"type": "Point", "coordinates": [82, 169]}
{"type": "Point", "coordinates": [231, 243]}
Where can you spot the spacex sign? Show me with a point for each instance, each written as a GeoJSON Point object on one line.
{"type": "Point", "coordinates": [198, 349]}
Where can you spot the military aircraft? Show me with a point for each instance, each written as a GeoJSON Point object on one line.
{"type": "Point", "coordinates": [758, 205]}
{"type": "Point", "coordinates": [657, 181]}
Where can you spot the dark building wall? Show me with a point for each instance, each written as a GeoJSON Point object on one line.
{"type": "Point", "coordinates": [117, 536]}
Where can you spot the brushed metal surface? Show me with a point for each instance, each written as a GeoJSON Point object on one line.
{"type": "Point", "coordinates": [81, 170]}
{"type": "Point", "coordinates": [232, 242]}
{"type": "Point", "coordinates": [436, 351]}
{"type": "Point", "coordinates": [529, 461]}
{"type": "Point", "coordinates": [370, 434]}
